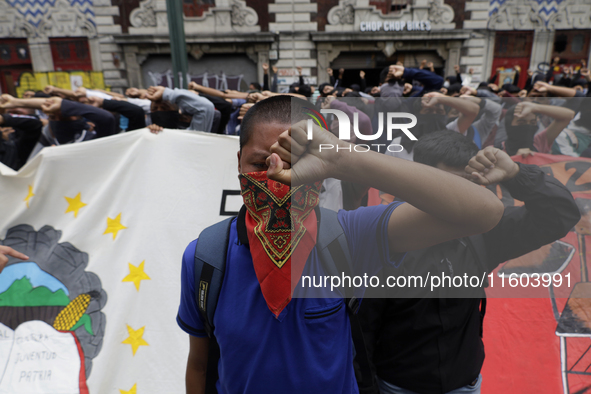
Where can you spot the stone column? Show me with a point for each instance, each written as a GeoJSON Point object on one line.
{"type": "Point", "coordinates": [323, 64]}
{"type": "Point", "coordinates": [453, 58]}
{"type": "Point", "coordinates": [40, 54]}
{"type": "Point", "coordinates": [489, 54]}
{"type": "Point", "coordinates": [263, 57]}
{"type": "Point", "coordinates": [542, 47]}
{"type": "Point", "coordinates": [326, 53]}
{"type": "Point", "coordinates": [95, 53]}
{"type": "Point", "coordinates": [134, 72]}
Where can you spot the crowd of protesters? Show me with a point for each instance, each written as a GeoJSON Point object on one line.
{"type": "Point", "coordinates": [544, 116]}
{"type": "Point", "coordinates": [417, 345]}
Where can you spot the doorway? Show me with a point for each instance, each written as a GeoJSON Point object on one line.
{"type": "Point", "coordinates": [512, 48]}
{"type": "Point", "coordinates": [14, 60]}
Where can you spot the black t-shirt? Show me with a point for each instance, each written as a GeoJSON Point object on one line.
{"type": "Point", "coordinates": [433, 345]}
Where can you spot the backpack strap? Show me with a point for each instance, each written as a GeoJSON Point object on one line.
{"type": "Point", "coordinates": [210, 265]}
{"type": "Point", "coordinates": [333, 251]}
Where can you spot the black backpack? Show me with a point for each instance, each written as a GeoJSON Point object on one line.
{"type": "Point", "coordinates": [210, 265]}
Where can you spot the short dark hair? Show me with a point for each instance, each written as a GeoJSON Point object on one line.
{"type": "Point", "coordinates": [305, 90]}
{"type": "Point", "coordinates": [256, 85]}
{"type": "Point", "coordinates": [277, 109]}
{"type": "Point", "coordinates": [446, 147]}
{"type": "Point", "coordinates": [321, 88]}
{"type": "Point", "coordinates": [454, 88]}
{"type": "Point", "coordinates": [509, 87]}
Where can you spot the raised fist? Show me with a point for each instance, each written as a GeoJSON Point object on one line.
{"type": "Point", "coordinates": [155, 93]}
{"type": "Point", "coordinates": [132, 92]}
{"type": "Point", "coordinates": [52, 105]}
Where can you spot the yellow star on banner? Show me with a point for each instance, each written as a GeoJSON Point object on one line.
{"type": "Point", "coordinates": [29, 195]}
{"type": "Point", "coordinates": [114, 226]}
{"type": "Point", "coordinates": [74, 204]}
{"type": "Point", "coordinates": [135, 338]}
{"type": "Point", "coordinates": [132, 391]}
{"type": "Point", "coordinates": [136, 275]}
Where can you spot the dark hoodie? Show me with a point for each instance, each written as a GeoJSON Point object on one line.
{"type": "Point", "coordinates": [521, 136]}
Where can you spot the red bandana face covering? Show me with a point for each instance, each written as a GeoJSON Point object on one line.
{"type": "Point", "coordinates": [279, 220]}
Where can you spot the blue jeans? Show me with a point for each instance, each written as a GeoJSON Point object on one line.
{"type": "Point", "coordinates": [389, 388]}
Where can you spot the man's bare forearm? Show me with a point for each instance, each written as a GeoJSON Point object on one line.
{"type": "Point", "coordinates": [197, 365]}
{"type": "Point", "coordinates": [465, 107]}
{"type": "Point", "coordinates": [561, 91]}
{"type": "Point", "coordinates": [26, 103]}
{"type": "Point", "coordinates": [441, 206]}
{"type": "Point", "coordinates": [561, 115]}
{"type": "Point", "coordinates": [65, 92]}
{"type": "Point", "coordinates": [235, 94]}
{"type": "Point", "coordinates": [209, 91]}
{"type": "Point", "coordinates": [468, 110]}
{"type": "Point", "coordinates": [219, 93]}
{"type": "Point", "coordinates": [195, 379]}
{"type": "Point", "coordinates": [554, 111]}
{"type": "Point", "coordinates": [473, 99]}
{"type": "Point", "coordinates": [445, 196]}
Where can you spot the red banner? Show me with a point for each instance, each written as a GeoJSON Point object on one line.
{"type": "Point", "coordinates": [542, 345]}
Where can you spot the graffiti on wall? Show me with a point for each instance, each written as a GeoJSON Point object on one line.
{"type": "Point", "coordinates": [62, 79]}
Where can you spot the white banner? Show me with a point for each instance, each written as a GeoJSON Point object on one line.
{"type": "Point", "coordinates": [105, 224]}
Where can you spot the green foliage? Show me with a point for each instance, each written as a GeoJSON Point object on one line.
{"type": "Point", "coordinates": [85, 321]}
{"type": "Point", "coordinates": [22, 293]}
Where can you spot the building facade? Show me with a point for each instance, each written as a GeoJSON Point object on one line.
{"type": "Point", "coordinates": [121, 43]}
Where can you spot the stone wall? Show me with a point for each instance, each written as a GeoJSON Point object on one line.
{"type": "Point", "coordinates": [477, 51]}
{"type": "Point", "coordinates": [40, 20]}
{"type": "Point", "coordinates": [293, 22]}
{"type": "Point", "coordinates": [286, 33]}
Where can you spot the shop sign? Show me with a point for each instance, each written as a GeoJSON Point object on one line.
{"type": "Point", "coordinates": [373, 26]}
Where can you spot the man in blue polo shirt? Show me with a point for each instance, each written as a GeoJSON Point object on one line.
{"type": "Point", "coordinates": [305, 345]}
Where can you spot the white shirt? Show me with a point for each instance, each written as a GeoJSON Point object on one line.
{"type": "Point", "coordinates": [96, 93]}
{"type": "Point", "coordinates": [144, 103]}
